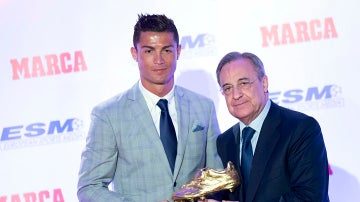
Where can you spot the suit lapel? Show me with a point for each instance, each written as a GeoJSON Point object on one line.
{"type": "Point", "coordinates": [228, 150]}
{"type": "Point", "coordinates": [264, 148]}
{"type": "Point", "coordinates": [234, 153]}
{"type": "Point", "coordinates": [183, 114]}
{"type": "Point", "coordinates": [235, 149]}
{"type": "Point", "coordinates": [145, 124]}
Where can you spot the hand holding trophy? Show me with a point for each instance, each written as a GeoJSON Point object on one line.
{"type": "Point", "coordinates": [208, 181]}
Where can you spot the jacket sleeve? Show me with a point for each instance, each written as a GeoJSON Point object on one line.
{"type": "Point", "coordinates": [98, 162]}
{"type": "Point", "coordinates": [307, 164]}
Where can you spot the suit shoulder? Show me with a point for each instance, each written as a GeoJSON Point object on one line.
{"type": "Point", "coordinates": [290, 115]}
{"type": "Point", "coordinates": [192, 94]}
{"type": "Point", "coordinates": [112, 102]}
{"type": "Point", "coordinates": [230, 131]}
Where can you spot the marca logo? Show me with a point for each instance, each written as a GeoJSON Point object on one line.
{"type": "Point", "coordinates": [310, 98]}
{"type": "Point", "coordinates": [40, 133]}
{"type": "Point", "coordinates": [42, 196]}
{"type": "Point", "coordinates": [201, 45]}
{"type": "Point", "coordinates": [48, 65]}
{"type": "Point", "coordinates": [298, 32]}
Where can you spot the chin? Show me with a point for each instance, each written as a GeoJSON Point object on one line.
{"type": "Point", "coordinates": [240, 116]}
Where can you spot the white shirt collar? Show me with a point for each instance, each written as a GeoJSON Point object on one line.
{"type": "Point", "coordinates": [152, 99]}
{"type": "Point", "coordinates": [259, 120]}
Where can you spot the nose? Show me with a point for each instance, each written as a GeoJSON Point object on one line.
{"type": "Point", "coordinates": [158, 58]}
{"type": "Point", "coordinates": [237, 93]}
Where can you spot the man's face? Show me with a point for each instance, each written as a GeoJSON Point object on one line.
{"type": "Point", "coordinates": [156, 54]}
{"type": "Point", "coordinates": [244, 93]}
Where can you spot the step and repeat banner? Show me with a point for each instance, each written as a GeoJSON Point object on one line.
{"type": "Point", "coordinates": [58, 59]}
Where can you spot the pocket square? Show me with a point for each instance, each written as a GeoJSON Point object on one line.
{"type": "Point", "coordinates": [198, 128]}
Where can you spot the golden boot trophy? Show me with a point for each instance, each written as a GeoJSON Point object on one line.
{"type": "Point", "coordinates": [208, 181]}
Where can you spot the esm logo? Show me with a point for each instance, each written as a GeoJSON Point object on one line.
{"type": "Point", "coordinates": [200, 45]}
{"type": "Point", "coordinates": [310, 98]}
{"type": "Point", "coordinates": [40, 133]}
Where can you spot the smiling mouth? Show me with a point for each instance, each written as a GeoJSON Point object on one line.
{"type": "Point", "coordinates": [239, 103]}
{"type": "Point", "coordinates": [160, 70]}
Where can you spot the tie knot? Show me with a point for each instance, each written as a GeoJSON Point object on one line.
{"type": "Point", "coordinates": [247, 134]}
{"type": "Point", "coordinates": [163, 104]}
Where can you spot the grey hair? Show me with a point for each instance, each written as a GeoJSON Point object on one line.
{"type": "Point", "coordinates": [232, 56]}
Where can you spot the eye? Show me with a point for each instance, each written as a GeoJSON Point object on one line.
{"type": "Point", "coordinates": [148, 51]}
{"type": "Point", "coordinates": [244, 83]}
{"type": "Point", "coordinates": [227, 88]}
{"type": "Point", "coordinates": [168, 51]}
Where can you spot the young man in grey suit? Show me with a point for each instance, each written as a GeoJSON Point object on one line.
{"type": "Point", "coordinates": [124, 146]}
{"type": "Point", "coordinates": [284, 158]}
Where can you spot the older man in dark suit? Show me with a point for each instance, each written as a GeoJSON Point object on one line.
{"type": "Point", "coordinates": [282, 156]}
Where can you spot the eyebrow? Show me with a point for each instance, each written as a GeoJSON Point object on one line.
{"type": "Point", "coordinates": [243, 79]}
{"type": "Point", "coordinates": [151, 47]}
{"type": "Point", "coordinates": [239, 80]}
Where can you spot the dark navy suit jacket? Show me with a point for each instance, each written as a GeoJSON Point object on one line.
{"type": "Point", "coordinates": [290, 160]}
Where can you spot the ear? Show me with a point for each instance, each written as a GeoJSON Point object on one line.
{"type": "Point", "coordinates": [178, 51]}
{"type": "Point", "coordinates": [265, 84]}
{"type": "Point", "coordinates": [133, 53]}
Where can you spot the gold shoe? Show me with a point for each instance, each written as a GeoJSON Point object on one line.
{"type": "Point", "coordinates": [208, 181]}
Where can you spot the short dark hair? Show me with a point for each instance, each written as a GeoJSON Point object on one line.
{"type": "Point", "coordinates": [154, 23]}
{"type": "Point", "coordinates": [232, 56]}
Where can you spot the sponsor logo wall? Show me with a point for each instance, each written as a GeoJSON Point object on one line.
{"type": "Point", "coordinates": [60, 58]}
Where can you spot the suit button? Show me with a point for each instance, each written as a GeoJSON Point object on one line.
{"type": "Point", "coordinates": [174, 184]}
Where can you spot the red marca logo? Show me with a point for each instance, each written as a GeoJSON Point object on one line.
{"type": "Point", "coordinates": [302, 31]}
{"type": "Point", "coordinates": [55, 196]}
{"type": "Point", "coordinates": [48, 65]}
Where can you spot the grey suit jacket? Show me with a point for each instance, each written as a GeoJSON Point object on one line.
{"type": "Point", "coordinates": [123, 148]}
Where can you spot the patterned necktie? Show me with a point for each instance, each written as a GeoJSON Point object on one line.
{"type": "Point", "coordinates": [167, 133]}
{"type": "Point", "coordinates": [246, 156]}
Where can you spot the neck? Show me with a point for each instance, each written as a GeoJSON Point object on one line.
{"type": "Point", "coordinates": [159, 89]}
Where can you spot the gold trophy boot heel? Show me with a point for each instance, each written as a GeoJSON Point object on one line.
{"type": "Point", "coordinates": [208, 181]}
